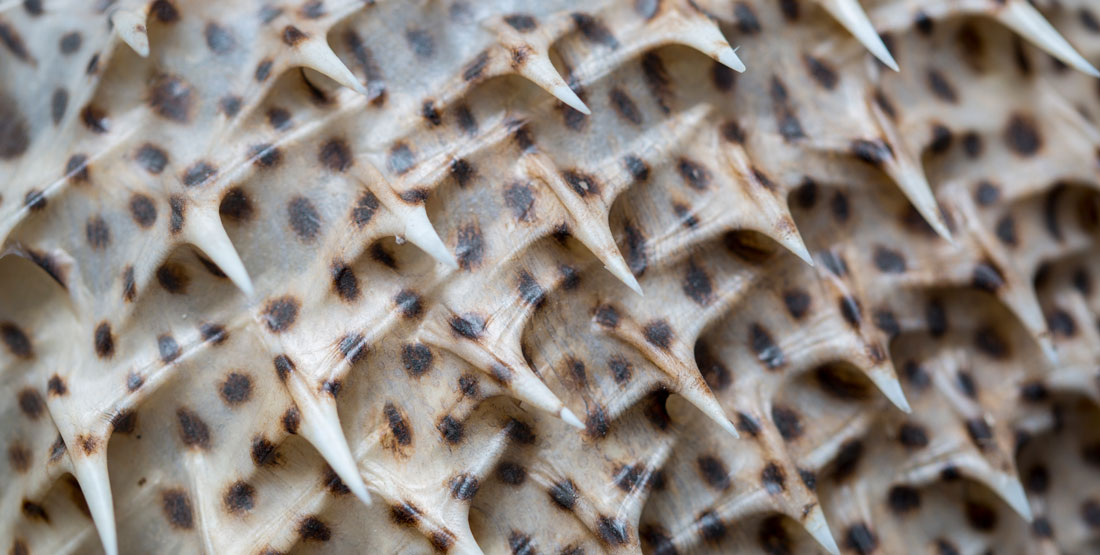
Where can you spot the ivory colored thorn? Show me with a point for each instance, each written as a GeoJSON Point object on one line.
{"type": "Point", "coordinates": [915, 186]}
{"type": "Point", "coordinates": [570, 418]}
{"type": "Point", "coordinates": [95, 485]}
{"type": "Point", "coordinates": [889, 385]}
{"type": "Point", "coordinates": [130, 26]}
{"type": "Point", "coordinates": [1011, 490]}
{"type": "Point", "coordinates": [205, 231]}
{"type": "Point", "coordinates": [817, 526]}
{"type": "Point", "coordinates": [315, 54]}
{"type": "Point", "coordinates": [851, 15]}
{"type": "Point", "coordinates": [793, 242]}
{"type": "Point", "coordinates": [1025, 20]}
{"type": "Point", "coordinates": [419, 231]}
{"type": "Point", "coordinates": [321, 426]}
{"type": "Point", "coordinates": [703, 399]}
{"type": "Point", "coordinates": [541, 72]}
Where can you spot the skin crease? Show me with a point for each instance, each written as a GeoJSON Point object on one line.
{"type": "Point", "coordinates": [468, 277]}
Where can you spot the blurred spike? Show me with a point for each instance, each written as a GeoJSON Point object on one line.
{"type": "Point", "coordinates": [321, 426]}
{"type": "Point", "coordinates": [887, 382]}
{"type": "Point", "coordinates": [205, 231]}
{"type": "Point", "coordinates": [538, 69]}
{"type": "Point", "coordinates": [1009, 488]}
{"type": "Point", "coordinates": [851, 15]}
{"type": "Point", "coordinates": [1025, 20]}
{"type": "Point", "coordinates": [130, 25]}
{"type": "Point", "coordinates": [816, 525]}
{"type": "Point", "coordinates": [707, 38]}
{"type": "Point", "coordinates": [91, 474]}
{"type": "Point", "coordinates": [419, 231]}
{"type": "Point", "coordinates": [315, 54]}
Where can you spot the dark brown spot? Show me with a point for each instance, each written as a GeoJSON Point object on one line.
{"type": "Point", "coordinates": [860, 539]}
{"type": "Point", "coordinates": [143, 211]}
{"type": "Point", "coordinates": [714, 472]}
{"type": "Point", "coordinates": [35, 200]}
{"type": "Point", "coordinates": [1022, 136]}
{"type": "Point", "coordinates": [171, 98]}
{"type": "Point", "coordinates": [658, 333]}
{"type": "Point", "coordinates": [240, 497]}
{"type": "Point", "coordinates": [104, 341]}
{"type": "Point", "coordinates": [980, 432]}
{"type": "Point", "coordinates": [624, 106]}
{"type": "Point", "coordinates": [471, 246]}
{"type": "Point", "coordinates": [612, 530]}
{"type": "Point", "coordinates": [903, 499]}
{"type": "Point", "coordinates": [16, 340]}
{"type": "Point", "coordinates": [263, 70]}
{"type": "Point", "coordinates": [912, 435]}
{"type": "Point", "coordinates": [218, 39]}
{"type": "Point", "coordinates": [452, 430]}
{"type": "Point", "coordinates": [530, 291]}
{"type": "Point", "coordinates": [409, 303]}
{"type": "Point", "coordinates": [941, 87]}
{"type": "Point", "coordinates": [353, 347]}
{"type": "Point", "coordinates": [124, 422]}
{"type": "Point", "coordinates": [773, 478]}
{"type": "Point", "coordinates": [822, 72]}
{"type": "Point", "coordinates": [236, 388]}
{"type": "Point", "coordinates": [76, 168]}
{"type": "Point", "coordinates": [850, 310]}
{"type": "Point", "coordinates": [335, 154]}
{"type": "Point", "coordinates": [464, 486]}
{"type": "Point", "coordinates": [365, 207]}
{"type": "Point", "coordinates": [313, 529]}
{"type": "Point", "coordinates": [762, 344]}
{"type": "Point", "coordinates": [511, 473]}
{"type": "Point", "coordinates": [31, 403]}
{"type": "Point", "coordinates": [198, 174]}
{"type": "Point", "coordinates": [291, 419]}
{"type": "Point", "coordinates": [847, 460]}
{"type": "Point", "coordinates": [59, 102]}
{"type": "Point", "coordinates": [304, 219]}
{"type": "Point", "coordinates": [168, 348]}
{"type": "Point", "coordinates": [93, 117]}
{"type": "Point", "coordinates": [594, 30]}
{"type": "Point", "coordinates": [476, 67]}
{"type": "Point", "coordinates": [564, 494]}
{"type": "Point", "coordinates": [97, 232]}
{"type": "Point", "coordinates": [520, 198]}
{"type": "Point", "coordinates": [695, 175]}
{"type": "Point", "coordinates": [399, 426]}
{"type": "Point", "coordinates": [711, 527]}
{"type": "Point", "coordinates": [293, 35]}
{"type": "Point", "coordinates": [177, 508]}
{"type": "Point", "coordinates": [787, 422]}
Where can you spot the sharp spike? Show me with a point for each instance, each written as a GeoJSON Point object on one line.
{"type": "Point", "coordinates": [538, 69]}
{"type": "Point", "coordinates": [321, 426]}
{"type": "Point", "coordinates": [1025, 20]}
{"type": "Point", "coordinates": [709, 40]}
{"type": "Point", "coordinates": [618, 268]}
{"type": "Point", "coordinates": [315, 54]}
{"type": "Point", "coordinates": [91, 474]}
{"type": "Point", "coordinates": [571, 419]}
{"type": "Point", "coordinates": [1009, 488]}
{"type": "Point", "coordinates": [851, 15]}
{"type": "Point", "coordinates": [419, 231]}
{"type": "Point", "coordinates": [792, 241]}
{"type": "Point", "coordinates": [130, 26]}
{"type": "Point", "coordinates": [205, 231]}
{"type": "Point", "coordinates": [887, 382]}
{"type": "Point", "coordinates": [704, 400]}
{"type": "Point", "coordinates": [816, 525]}
{"type": "Point", "coordinates": [911, 180]}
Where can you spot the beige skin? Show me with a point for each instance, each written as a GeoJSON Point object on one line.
{"type": "Point", "coordinates": [336, 277]}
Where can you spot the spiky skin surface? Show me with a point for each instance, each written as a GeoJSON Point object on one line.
{"type": "Point", "coordinates": [246, 309]}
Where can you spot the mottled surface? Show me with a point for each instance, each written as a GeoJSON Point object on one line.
{"type": "Point", "coordinates": [237, 295]}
